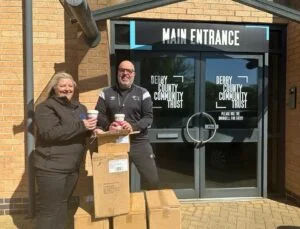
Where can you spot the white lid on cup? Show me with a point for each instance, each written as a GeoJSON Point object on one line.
{"type": "Point", "coordinates": [119, 117]}
{"type": "Point", "coordinates": [92, 113]}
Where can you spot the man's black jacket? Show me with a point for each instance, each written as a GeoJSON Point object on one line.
{"type": "Point", "coordinates": [135, 103]}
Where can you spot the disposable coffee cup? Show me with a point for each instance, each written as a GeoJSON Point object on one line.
{"type": "Point", "coordinates": [92, 113]}
{"type": "Point", "coordinates": [119, 117]}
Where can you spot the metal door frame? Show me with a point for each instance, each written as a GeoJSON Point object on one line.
{"type": "Point", "coordinates": [199, 153]}
{"type": "Point", "coordinates": [260, 133]}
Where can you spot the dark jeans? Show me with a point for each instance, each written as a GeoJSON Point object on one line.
{"type": "Point", "coordinates": [55, 190]}
{"type": "Point", "coordinates": [141, 154]}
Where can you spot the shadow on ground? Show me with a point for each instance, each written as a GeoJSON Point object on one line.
{"type": "Point", "coordinates": [288, 227]}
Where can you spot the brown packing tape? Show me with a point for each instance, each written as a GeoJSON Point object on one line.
{"type": "Point", "coordinates": [111, 211]}
{"type": "Point", "coordinates": [162, 199]}
{"type": "Point", "coordinates": [164, 203]}
{"type": "Point", "coordinates": [117, 132]}
{"type": "Point", "coordinates": [114, 132]}
{"type": "Point", "coordinates": [88, 163]}
{"type": "Point", "coordinates": [129, 218]}
{"type": "Point", "coordinates": [131, 202]}
{"type": "Point", "coordinates": [166, 213]}
{"type": "Point", "coordinates": [169, 198]}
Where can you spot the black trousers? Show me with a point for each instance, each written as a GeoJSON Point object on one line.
{"type": "Point", "coordinates": [55, 190]}
{"type": "Point", "coordinates": [141, 154]}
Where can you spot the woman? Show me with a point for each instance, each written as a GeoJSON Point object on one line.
{"type": "Point", "coordinates": [61, 130]}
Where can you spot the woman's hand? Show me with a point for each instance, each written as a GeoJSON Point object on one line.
{"type": "Point", "coordinates": [90, 123]}
{"type": "Point", "coordinates": [98, 131]}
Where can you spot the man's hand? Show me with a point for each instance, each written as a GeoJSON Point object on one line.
{"type": "Point", "coordinates": [120, 125]}
{"type": "Point", "coordinates": [126, 126]}
{"type": "Point", "coordinates": [114, 126]}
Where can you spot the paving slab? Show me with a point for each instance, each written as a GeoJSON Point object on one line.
{"type": "Point", "coordinates": [258, 213]}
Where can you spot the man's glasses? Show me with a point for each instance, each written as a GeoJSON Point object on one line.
{"type": "Point", "coordinates": [123, 70]}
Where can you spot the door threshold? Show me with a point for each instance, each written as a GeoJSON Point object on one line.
{"type": "Point", "coordinates": [225, 199]}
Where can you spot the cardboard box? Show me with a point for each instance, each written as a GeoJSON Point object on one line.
{"type": "Point", "coordinates": [84, 218]}
{"type": "Point", "coordinates": [136, 218]}
{"type": "Point", "coordinates": [113, 142]}
{"type": "Point", "coordinates": [110, 184]}
{"type": "Point", "coordinates": [163, 209]}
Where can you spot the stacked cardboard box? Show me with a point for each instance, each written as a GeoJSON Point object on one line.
{"type": "Point", "coordinates": [113, 201]}
{"type": "Point", "coordinates": [111, 175]}
{"type": "Point", "coordinates": [136, 218]}
{"type": "Point", "coordinates": [84, 218]}
{"type": "Point", "coordinates": [163, 209]}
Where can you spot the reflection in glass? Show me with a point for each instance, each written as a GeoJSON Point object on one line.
{"type": "Point", "coordinates": [171, 83]}
{"type": "Point", "coordinates": [293, 4]}
{"type": "Point", "coordinates": [232, 91]}
{"type": "Point", "coordinates": [122, 35]}
{"type": "Point", "coordinates": [117, 2]}
{"type": "Point", "coordinates": [175, 162]}
{"type": "Point", "coordinates": [230, 165]}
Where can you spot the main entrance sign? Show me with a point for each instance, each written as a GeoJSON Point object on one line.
{"type": "Point", "coordinates": [150, 35]}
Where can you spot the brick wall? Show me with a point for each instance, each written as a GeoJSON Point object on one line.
{"type": "Point", "coordinates": [59, 45]}
{"type": "Point", "coordinates": [207, 10]}
{"type": "Point", "coordinates": [48, 50]}
{"type": "Point", "coordinates": [93, 69]}
{"type": "Point", "coordinates": [292, 171]}
{"type": "Point", "coordinates": [11, 101]}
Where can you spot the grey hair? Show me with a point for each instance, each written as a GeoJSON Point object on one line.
{"type": "Point", "coordinates": [56, 78]}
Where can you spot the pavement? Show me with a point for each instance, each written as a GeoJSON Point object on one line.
{"type": "Point", "coordinates": [258, 213]}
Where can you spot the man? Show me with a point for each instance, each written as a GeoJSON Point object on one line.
{"type": "Point", "coordinates": [136, 103]}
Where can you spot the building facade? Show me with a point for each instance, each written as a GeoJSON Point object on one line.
{"type": "Point", "coordinates": [220, 73]}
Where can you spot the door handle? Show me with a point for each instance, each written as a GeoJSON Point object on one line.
{"type": "Point", "coordinates": [212, 121]}
{"type": "Point", "coordinates": [167, 135]}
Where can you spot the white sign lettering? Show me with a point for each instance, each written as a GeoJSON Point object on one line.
{"type": "Point", "coordinates": [175, 36]}
{"type": "Point", "coordinates": [167, 92]}
{"type": "Point", "coordinates": [232, 92]}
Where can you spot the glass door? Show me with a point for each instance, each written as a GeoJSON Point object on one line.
{"type": "Point", "coordinates": [233, 96]}
{"type": "Point", "coordinates": [207, 129]}
{"type": "Point", "coordinates": [171, 80]}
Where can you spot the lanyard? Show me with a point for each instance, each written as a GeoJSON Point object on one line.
{"type": "Point", "coordinates": [122, 105]}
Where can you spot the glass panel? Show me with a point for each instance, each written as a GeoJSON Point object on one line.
{"type": "Point", "coordinates": [122, 34]}
{"type": "Point", "coordinates": [275, 119]}
{"type": "Point", "coordinates": [230, 165]}
{"type": "Point", "coordinates": [231, 91]}
{"type": "Point", "coordinates": [175, 162]}
{"type": "Point", "coordinates": [276, 42]}
{"type": "Point", "coordinates": [171, 82]}
{"type": "Point", "coordinates": [293, 4]}
{"type": "Point", "coordinates": [118, 2]}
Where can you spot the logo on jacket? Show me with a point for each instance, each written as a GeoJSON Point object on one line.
{"type": "Point", "coordinates": [136, 98]}
{"type": "Point", "coordinates": [112, 98]}
{"type": "Point", "coordinates": [82, 116]}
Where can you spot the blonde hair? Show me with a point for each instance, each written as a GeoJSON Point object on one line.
{"type": "Point", "coordinates": [56, 78]}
